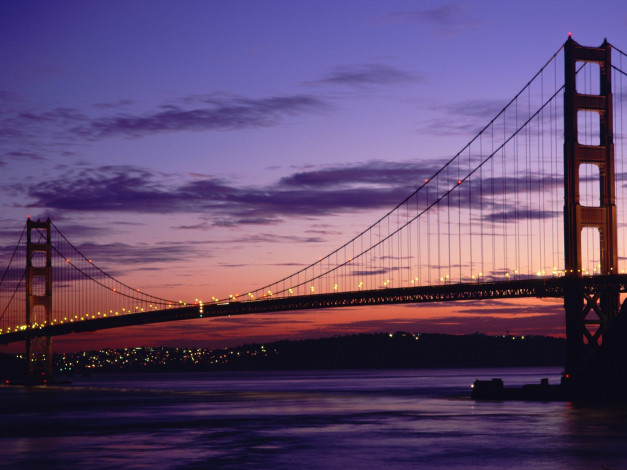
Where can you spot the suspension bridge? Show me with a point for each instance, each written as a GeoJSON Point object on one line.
{"type": "Point", "coordinates": [533, 206]}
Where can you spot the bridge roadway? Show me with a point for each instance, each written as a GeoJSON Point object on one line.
{"type": "Point", "coordinates": [549, 287]}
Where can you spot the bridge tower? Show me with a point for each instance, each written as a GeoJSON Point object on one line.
{"type": "Point", "coordinates": [590, 311]}
{"type": "Point", "coordinates": [38, 300]}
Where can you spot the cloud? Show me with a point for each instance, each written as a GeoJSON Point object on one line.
{"type": "Point", "coordinates": [133, 189]}
{"type": "Point", "coordinates": [441, 15]}
{"type": "Point", "coordinates": [372, 272]}
{"type": "Point", "coordinates": [513, 308]}
{"type": "Point", "coordinates": [372, 173]}
{"type": "Point", "coordinates": [144, 253]}
{"type": "Point", "coordinates": [504, 198]}
{"type": "Point", "coordinates": [323, 232]}
{"type": "Point", "coordinates": [319, 192]}
{"type": "Point", "coordinates": [444, 126]}
{"type": "Point", "coordinates": [218, 114]}
{"type": "Point", "coordinates": [251, 220]}
{"type": "Point", "coordinates": [107, 188]}
{"type": "Point", "coordinates": [274, 238]}
{"type": "Point", "coordinates": [484, 109]}
{"type": "Point", "coordinates": [22, 124]}
{"type": "Point", "coordinates": [466, 118]}
{"type": "Point", "coordinates": [448, 18]}
{"type": "Point", "coordinates": [513, 214]}
{"type": "Point", "coordinates": [366, 75]}
{"type": "Point", "coordinates": [114, 105]}
{"type": "Point", "coordinates": [8, 98]}
{"type": "Point", "coordinates": [119, 259]}
{"type": "Point", "coordinates": [62, 116]}
{"type": "Point", "coordinates": [23, 155]}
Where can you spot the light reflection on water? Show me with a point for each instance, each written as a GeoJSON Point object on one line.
{"type": "Point", "coordinates": [317, 419]}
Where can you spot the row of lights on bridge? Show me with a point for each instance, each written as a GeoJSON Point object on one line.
{"type": "Point", "coordinates": [445, 279]}
{"type": "Point", "coordinates": [214, 299]}
{"type": "Point", "coordinates": [55, 321]}
{"type": "Point", "coordinates": [415, 281]}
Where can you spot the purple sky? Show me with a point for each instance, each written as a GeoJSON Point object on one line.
{"type": "Point", "coordinates": [196, 148]}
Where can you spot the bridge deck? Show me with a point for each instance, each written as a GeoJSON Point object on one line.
{"type": "Point", "coordinates": [551, 287]}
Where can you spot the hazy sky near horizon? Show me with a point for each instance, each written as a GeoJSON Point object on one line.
{"type": "Point", "coordinates": [198, 148]}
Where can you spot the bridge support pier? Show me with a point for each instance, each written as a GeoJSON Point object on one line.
{"type": "Point", "coordinates": [38, 301]}
{"type": "Point", "coordinates": [591, 308]}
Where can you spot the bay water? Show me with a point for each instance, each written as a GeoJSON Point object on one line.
{"type": "Point", "coordinates": [365, 419]}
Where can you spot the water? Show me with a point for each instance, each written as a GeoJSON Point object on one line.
{"type": "Point", "coordinates": [314, 419]}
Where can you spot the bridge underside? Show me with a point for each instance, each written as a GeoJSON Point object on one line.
{"type": "Point", "coordinates": [552, 287]}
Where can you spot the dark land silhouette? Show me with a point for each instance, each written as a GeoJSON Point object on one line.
{"type": "Point", "coordinates": [357, 351]}
{"type": "Point", "coordinates": [406, 350]}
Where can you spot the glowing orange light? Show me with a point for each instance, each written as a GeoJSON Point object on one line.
{"type": "Point", "coordinates": [459, 181]}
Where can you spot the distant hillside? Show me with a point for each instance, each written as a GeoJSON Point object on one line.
{"type": "Point", "coordinates": [11, 367]}
{"type": "Point", "coordinates": [358, 351]}
{"type": "Point", "coordinates": [405, 350]}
